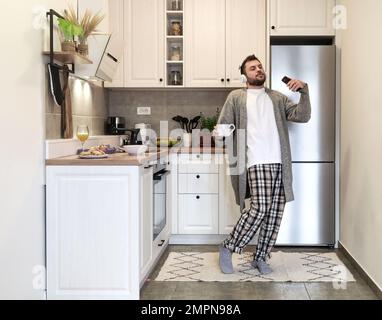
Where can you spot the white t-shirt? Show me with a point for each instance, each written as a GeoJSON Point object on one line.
{"type": "Point", "coordinates": [263, 139]}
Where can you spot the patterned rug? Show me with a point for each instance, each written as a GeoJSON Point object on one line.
{"type": "Point", "coordinates": [287, 267]}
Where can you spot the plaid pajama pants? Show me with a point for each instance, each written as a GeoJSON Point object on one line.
{"type": "Point", "coordinates": [265, 212]}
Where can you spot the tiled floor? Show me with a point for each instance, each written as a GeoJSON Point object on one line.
{"type": "Point", "coordinates": [166, 290]}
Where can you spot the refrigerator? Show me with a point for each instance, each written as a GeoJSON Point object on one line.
{"type": "Point", "coordinates": [310, 219]}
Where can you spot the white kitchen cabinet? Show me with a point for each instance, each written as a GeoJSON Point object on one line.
{"type": "Point", "coordinates": [198, 163]}
{"type": "Point", "coordinates": [197, 195]}
{"type": "Point", "coordinates": [144, 33]}
{"type": "Point", "coordinates": [245, 35]}
{"type": "Point", "coordinates": [198, 183]}
{"type": "Point", "coordinates": [301, 17]}
{"type": "Point", "coordinates": [198, 213]}
{"type": "Point", "coordinates": [146, 221]}
{"type": "Point", "coordinates": [92, 229]}
{"type": "Point", "coordinates": [219, 35]}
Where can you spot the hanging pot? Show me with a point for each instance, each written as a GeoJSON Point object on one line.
{"type": "Point", "coordinates": [83, 49]}
{"type": "Point", "coordinates": [68, 46]}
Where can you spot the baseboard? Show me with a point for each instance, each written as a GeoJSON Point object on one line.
{"type": "Point", "coordinates": [359, 269]}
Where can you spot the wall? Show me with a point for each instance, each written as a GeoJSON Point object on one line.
{"type": "Point", "coordinates": [361, 135]}
{"type": "Point", "coordinates": [89, 106]}
{"type": "Point", "coordinates": [164, 105]}
{"type": "Point", "coordinates": [22, 129]}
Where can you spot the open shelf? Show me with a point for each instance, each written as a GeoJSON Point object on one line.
{"type": "Point", "coordinates": [174, 43]}
{"type": "Point", "coordinates": [67, 57]}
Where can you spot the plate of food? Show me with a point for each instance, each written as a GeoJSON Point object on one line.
{"type": "Point", "coordinates": [94, 156]}
{"type": "Point", "coordinates": [93, 153]}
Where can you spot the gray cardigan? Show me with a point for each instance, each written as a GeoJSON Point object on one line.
{"type": "Point", "coordinates": [235, 111]}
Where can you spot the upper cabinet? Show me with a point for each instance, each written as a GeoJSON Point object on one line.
{"type": "Point", "coordinates": [301, 17]}
{"type": "Point", "coordinates": [219, 35]}
{"type": "Point", "coordinates": [245, 35]}
{"type": "Point", "coordinates": [144, 32]}
{"type": "Point", "coordinates": [201, 43]}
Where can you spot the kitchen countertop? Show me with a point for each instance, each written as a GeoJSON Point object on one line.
{"type": "Point", "coordinates": [124, 159]}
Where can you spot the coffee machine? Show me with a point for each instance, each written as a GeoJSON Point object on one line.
{"type": "Point", "coordinates": [116, 126]}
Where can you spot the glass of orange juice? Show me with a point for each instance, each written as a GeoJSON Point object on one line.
{"type": "Point", "coordinates": [82, 134]}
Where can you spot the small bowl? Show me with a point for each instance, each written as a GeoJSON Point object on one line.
{"type": "Point", "coordinates": [135, 149]}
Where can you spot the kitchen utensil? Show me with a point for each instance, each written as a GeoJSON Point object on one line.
{"type": "Point", "coordinates": [179, 120]}
{"type": "Point", "coordinates": [194, 122]}
{"type": "Point", "coordinates": [186, 122]}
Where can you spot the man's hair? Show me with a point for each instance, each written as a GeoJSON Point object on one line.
{"type": "Point", "coordinates": [252, 57]}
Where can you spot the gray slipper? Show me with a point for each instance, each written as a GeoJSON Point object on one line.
{"type": "Point", "coordinates": [225, 260]}
{"type": "Point", "coordinates": [263, 267]}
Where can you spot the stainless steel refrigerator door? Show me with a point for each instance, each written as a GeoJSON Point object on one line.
{"type": "Point", "coordinates": [315, 65]}
{"type": "Point", "coordinates": [310, 219]}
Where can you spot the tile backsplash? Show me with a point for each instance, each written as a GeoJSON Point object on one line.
{"type": "Point", "coordinates": [92, 104]}
{"type": "Point", "coordinates": [89, 106]}
{"type": "Point", "coordinates": [165, 104]}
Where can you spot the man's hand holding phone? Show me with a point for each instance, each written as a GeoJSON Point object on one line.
{"type": "Point", "coordinates": [293, 84]}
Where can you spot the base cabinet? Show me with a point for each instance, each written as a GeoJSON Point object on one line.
{"type": "Point", "coordinates": [92, 227]}
{"type": "Point", "coordinates": [198, 214]}
{"type": "Point", "coordinates": [205, 209]}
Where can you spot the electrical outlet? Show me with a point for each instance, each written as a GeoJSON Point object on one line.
{"type": "Point", "coordinates": [144, 111]}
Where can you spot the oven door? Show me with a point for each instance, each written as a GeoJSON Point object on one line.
{"type": "Point", "coordinates": [159, 202]}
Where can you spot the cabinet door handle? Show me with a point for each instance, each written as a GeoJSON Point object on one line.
{"type": "Point", "coordinates": [228, 80]}
{"type": "Point", "coordinates": [198, 177]}
{"type": "Point", "coordinates": [198, 197]}
{"type": "Point", "coordinates": [273, 27]}
{"type": "Point", "coordinates": [198, 156]}
{"type": "Point", "coordinates": [161, 243]}
{"type": "Point", "coordinates": [222, 79]}
{"type": "Point", "coordinates": [161, 80]}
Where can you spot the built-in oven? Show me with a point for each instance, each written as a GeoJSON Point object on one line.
{"type": "Point", "coordinates": [160, 173]}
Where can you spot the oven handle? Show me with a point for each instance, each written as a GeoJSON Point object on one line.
{"type": "Point", "coordinates": [161, 174]}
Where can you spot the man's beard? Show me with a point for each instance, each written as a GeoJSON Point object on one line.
{"type": "Point", "coordinates": [257, 82]}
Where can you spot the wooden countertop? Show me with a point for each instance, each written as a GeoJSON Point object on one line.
{"type": "Point", "coordinates": [124, 159]}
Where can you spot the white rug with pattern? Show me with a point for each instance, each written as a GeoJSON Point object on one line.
{"type": "Point", "coordinates": [287, 267]}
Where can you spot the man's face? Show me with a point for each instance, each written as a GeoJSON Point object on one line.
{"type": "Point", "coordinates": [255, 73]}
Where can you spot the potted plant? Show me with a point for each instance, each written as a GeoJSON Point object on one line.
{"type": "Point", "coordinates": [69, 31]}
{"type": "Point", "coordinates": [88, 23]}
{"type": "Point", "coordinates": [207, 126]}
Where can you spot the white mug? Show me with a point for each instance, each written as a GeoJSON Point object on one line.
{"type": "Point", "coordinates": [224, 130]}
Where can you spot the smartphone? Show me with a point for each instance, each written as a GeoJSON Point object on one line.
{"type": "Point", "coordinates": [286, 81]}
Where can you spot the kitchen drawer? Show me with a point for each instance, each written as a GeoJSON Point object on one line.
{"type": "Point", "coordinates": [198, 183]}
{"type": "Point", "coordinates": [198, 214]}
{"type": "Point", "coordinates": [198, 163]}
